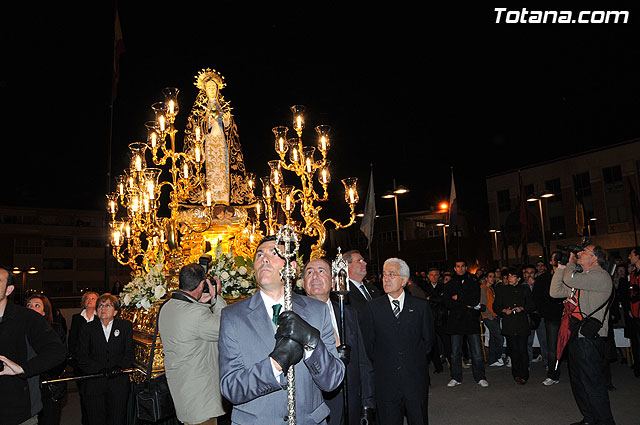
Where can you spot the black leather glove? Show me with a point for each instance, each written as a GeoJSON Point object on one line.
{"type": "Point", "coordinates": [344, 353]}
{"type": "Point", "coordinates": [368, 416]}
{"type": "Point", "coordinates": [290, 325]}
{"type": "Point", "coordinates": [286, 353]}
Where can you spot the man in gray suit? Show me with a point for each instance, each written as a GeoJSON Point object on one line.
{"type": "Point", "coordinates": [254, 357]}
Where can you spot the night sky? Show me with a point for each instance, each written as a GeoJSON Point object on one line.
{"type": "Point", "coordinates": [411, 91]}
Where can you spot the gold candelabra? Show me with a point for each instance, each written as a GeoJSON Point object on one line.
{"type": "Point", "coordinates": [302, 163]}
{"type": "Point", "coordinates": [140, 235]}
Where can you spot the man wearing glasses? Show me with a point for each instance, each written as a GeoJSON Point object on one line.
{"type": "Point", "coordinates": [592, 287]}
{"type": "Point", "coordinates": [361, 292]}
{"type": "Point", "coordinates": [106, 346]}
{"type": "Point", "coordinates": [399, 335]}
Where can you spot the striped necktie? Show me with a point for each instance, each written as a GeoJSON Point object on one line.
{"type": "Point", "coordinates": [396, 308]}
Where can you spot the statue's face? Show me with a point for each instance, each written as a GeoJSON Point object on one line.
{"type": "Point", "coordinates": [212, 89]}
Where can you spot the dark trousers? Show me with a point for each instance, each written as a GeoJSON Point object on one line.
{"type": "Point", "coordinates": [633, 330]}
{"type": "Point", "coordinates": [108, 407]}
{"type": "Point", "coordinates": [445, 338]}
{"type": "Point", "coordinates": [496, 340]}
{"type": "Point", "coordinates": [392, 412]}
{"type": "Point", "coordinates": [586, 373]}
{"type": "Point", "coordinates": [518, 346]}
{"type": "Point", "coordinates": [477, 359]}
{"type": "Point", "coordinates": [551, 329]}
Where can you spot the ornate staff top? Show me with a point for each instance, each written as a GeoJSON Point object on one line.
{"type": "Point", "coordinates": [340, 274]}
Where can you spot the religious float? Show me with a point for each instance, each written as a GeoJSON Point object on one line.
{"type": "Point", "coordinates": [170, 207]}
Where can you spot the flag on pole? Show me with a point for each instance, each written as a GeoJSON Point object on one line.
{"type": "Point", "coordinates": [453, 206]}
{"type": "Point", "coordinates": [369, 213]}
{"type": "Point", "coordinates": [118, 49]}
{"type": "Point", "coordinates": [580, 218]}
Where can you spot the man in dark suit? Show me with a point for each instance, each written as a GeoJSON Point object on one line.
{"type": "Point", "coordinates": [399, 335]}
{"type": "Point", "coordinates": [255, 355]}
{"type": "Point", "coordinates": [106, 346]}
{"type": "Point", "coordinates": [361, 292]}
{"type": "Point", "coordinates": [316, 278]}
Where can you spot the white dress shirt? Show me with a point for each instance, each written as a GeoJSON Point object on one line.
{"type": "Point", "coordinates": [107, 329]}
{"type": "Point", "coordinates": [360, 287]}
{"type": "Point", "coordinates": [400, 298]}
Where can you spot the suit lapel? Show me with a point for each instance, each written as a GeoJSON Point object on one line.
{"type": "Point", "coordinates": [260, 321]}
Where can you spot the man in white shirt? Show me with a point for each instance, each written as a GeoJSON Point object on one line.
{"type": "Point", "coordinates": [399, 334]}
{"type": "Point", "coordinates": [254, 356]}
{"type": "Point", "coordinates": [316, 278]}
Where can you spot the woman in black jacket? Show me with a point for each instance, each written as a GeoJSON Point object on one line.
{"type": "Point", "coordinates": [514, 303]}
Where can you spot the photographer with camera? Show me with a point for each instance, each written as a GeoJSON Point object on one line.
{"type": "Point", "coordinates": [584, 275]}
{"type": "Point", "coordinates": [189, 325]}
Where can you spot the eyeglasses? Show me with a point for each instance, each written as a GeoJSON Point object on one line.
{"type": "Point", "coordinates": [588, 250]}
{"type": "Point", "coordinates": [105, 306]}
{"type": "Point", "coordinates": [392, 275]}
{"type": "Point", "coordinates": [359, 260]}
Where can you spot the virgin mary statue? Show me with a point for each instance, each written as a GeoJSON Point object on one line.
{"type": "Point", "coordinates": [212, 122]}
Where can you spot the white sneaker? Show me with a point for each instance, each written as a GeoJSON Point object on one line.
{"type": "Point", "coordinates": [537, 359]}
{"type": "Point", "coordinates": [497, 363]}
{"type": "Point", "coordinates": [547, 382]}
{"type": "Point", "coordinates": [483, 383]}
{"type": "Point", "coordinates": [453, 383]}
{"type": "Point", "coordinates": [507, 362]}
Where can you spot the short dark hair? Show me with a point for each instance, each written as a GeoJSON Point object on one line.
{"type": "Point", "coordinates": [529, 266]}
{"type": "Point", "coordinates": [433, 269]}
{"type": "Point", "coordinates": [190, 276]}
{"type": "Point", "coordinates": [109, 297]}
{"type": "Point", "coordinates": [555, 255]}
{"type": "Point", "coordinates": [601, 255]}
{"type": "Point", "coordinates": [10, 280]}
{"type": "Point", "coordinates": [461, 260]}
{"type": "Point", "coordinates": [516, 271]}
{"type": "Point", "coordinates": [347, 256]}
{"type": "Point", "coordinates": [314, 259]}
{"type": "Point", "coordinates": [636, 249]}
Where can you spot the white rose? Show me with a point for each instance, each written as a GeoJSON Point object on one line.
{"type": "Point", "coordinates": [145, 304]}
{"type": "Point", "coordinates": [242, 270]}
{"type": "Point", "coordinates": [224, 275]}
{"type": "Point", "coordinates": [232, 272]}
{"type": "Point", "coordinates": [235, 294]}
{"type": "Point", "coordinates": [229, 255]}
{"type": "Point", "coordinates": [159, 292]}
{"type": "Point", "coordinates": [244, 284]}
{"type": "Point", "coordinates": [127, 299]}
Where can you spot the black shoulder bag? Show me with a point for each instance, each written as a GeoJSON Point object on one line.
{"type": "Point", "coordinates": [589, 325]}
{"type": "Point", "coordinates": [154, 402]}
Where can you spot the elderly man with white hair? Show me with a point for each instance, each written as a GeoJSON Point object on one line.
{"type": "Point", "coordinates": [399, 335]}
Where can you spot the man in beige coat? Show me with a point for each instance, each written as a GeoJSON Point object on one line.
{"type": "Point", "coordinates": [189, 325]}
{"type": "Point", "coordinates": [593, 287]}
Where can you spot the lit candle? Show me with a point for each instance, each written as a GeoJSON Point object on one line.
{"type": "Point", "coordinates": [171, 107]}
{"type": "Point", "coordinates": [116, 238]}
{"type": "Point", "coordinates": [150, 189]}
{"type": "Point", "coordinates": [132, 182]}
{"type": "Point", "coordinates": [324, 175]}
{"type": "Point", "coordinates": [295, 154]}
{"type": "Point", "coordinates": [112, 207]}
{"type": "Point", "coordinates": [138, 163]}
{"type": "Point", "coordinates": [267, 191]}
{"type": "Point", "coordinates": [197, 153]}
{"type": "Point", "coordinates": [161, 122]}
{"type": "Point", "coordinates": [352, 196]}
{"type": "Point", "coordinates": [208, 198]}
{"type": "Point", "coordinates": [198, 134]}
{"type": "Point", "coordinates": [323, 143]}
{"type": "Point", "coordinates": [308, 164]}
{"type": "Point", "coordinates": [186, 170]}
{"type": "Point", "coordinates": [146, 203]}
{"type": "Point", "coordinates": [127, 231]}
{"type": "Point", "coordinates": [281, 144]}
{"type": "Point", "coordinates": [154, 140]}
{"type": "Point", "coordinates": [287, 203]}
{"type": "Point", "coordinates": [258, 208]}
{"type": "Point", "coordinates": [121, 189]}
{"type": "Point", "coordinates": [134, 204]}
{"type": "Point", "coordinates": [162, 236]}
{"type": "Point", "coordinates": [298, 122]}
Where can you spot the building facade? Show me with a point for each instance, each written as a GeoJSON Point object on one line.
{"type": "Point", "coordinates": [591, 194]}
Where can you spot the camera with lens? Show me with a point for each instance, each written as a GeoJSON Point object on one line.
{"type": "Point", "coordinates": [204, 261]}
{"type": "Point", "coordinates": [568, 249]}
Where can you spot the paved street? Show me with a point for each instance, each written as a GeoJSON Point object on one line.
{"type": "Point", "coordinates": [503, 403]}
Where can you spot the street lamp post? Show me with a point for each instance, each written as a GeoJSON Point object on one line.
{"type": "Point", "coordinates": [495, 238]}
{"type": "Point", "coordinates": [394, 194]}
{"type": "Point", "coordinates": [589, 224]}
{"type": "Point", "coordinates": [544, 239]}
{"type": "Point", "coordinates": [444, 238]}
{"type": "Point", "coordinates": [24, 272]}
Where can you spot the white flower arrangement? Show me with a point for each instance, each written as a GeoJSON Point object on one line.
{"type": "Point", "coordinates": [146, 287]}
{"type": "Point", "coordinates": [235, 273]}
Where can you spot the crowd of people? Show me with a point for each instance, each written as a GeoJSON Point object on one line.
{"type": "Point", "coordinates": [359, 359]}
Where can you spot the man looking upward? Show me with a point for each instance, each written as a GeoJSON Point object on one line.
{"type": "Point", "coordinates": [254, 356]}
